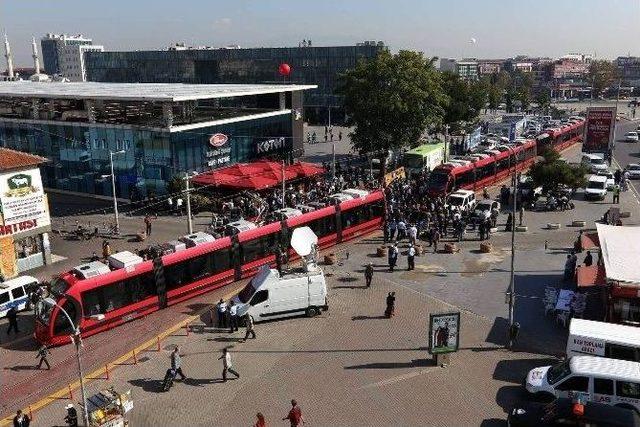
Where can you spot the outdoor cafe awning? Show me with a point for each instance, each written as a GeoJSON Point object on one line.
{"type": "Point", "coordinates": [592, 275]}
{"type": "Point", "coordinates": [620, 248]}
{"type": "Point", "coordinates": [256, 175]}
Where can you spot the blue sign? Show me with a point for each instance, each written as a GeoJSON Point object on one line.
{"type": "Point", "coordinates": [474, 138]}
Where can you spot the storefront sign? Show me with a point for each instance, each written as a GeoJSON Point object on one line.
{"type": "Point", "coordinates": [218, 139]}
{"type": "Point", "coordinates": [21, 196]}
{"type": "Point", "coordinates": [270, 145]}
{"type": "Point", "coordinates": [215, 158]}
{"type": "Point", "coordinates": [586, 345]}
{"type": "Point", "coordinates": [7, 230]}
{"type": "Point", "coordinates": [393, 175]}
{"type": "Point", "coordinates": [444, 332]}
{"type": "Point", "coordinates": [599, 129]}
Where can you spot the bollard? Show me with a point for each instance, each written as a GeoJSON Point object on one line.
{"type": "Point", "coordinates": [186, 328]}
{"type": "Point", "coordinates": [70, 392]}
{"type": "Point", "coordinates": [30, 413]}
{"type": "Point", "coordinates": [158, 338]}
{"type": "Point", "coordinates": [106, 371]}
{"type": "Point", "coordinates": [135, 358]}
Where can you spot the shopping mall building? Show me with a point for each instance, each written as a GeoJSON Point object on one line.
{"type": "Point", "coordinates": [155, 131]}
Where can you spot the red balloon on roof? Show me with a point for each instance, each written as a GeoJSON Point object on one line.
{"type": "Point", "coordinates": [284, 69]}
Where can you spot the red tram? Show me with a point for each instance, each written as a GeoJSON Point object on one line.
{"type": "Point", "coordinates": [477, 171]}
{"type": "Point", "coordinates": [107, 300]}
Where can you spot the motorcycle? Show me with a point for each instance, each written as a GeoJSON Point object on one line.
{"type": "Point", "coordinates": [552, 204]}
{"type": "Point", "coordinates": [565, 204]}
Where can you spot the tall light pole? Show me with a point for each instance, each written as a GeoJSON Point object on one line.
{"type": "Point", "coordinates": [76, 338]}
{"type": "Point", "coordinates": [113, 190]}
{"type": "Point", "coordinates": [446, 148]}
{"type": "Point", "coordinates": [512, 300]}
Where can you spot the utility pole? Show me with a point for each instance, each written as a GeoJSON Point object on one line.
{"type": "Point", "coordinates": [188, 191]}
{"type": "Point", "coordinates": [513, 252]}
{"type": "Point", "coordinates": [446, 146]}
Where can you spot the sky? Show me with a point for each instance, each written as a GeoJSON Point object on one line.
{"type": "Point", "coordinates": [443, 28]}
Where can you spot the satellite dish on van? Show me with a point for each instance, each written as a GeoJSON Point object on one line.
{"type": "Point", "coordinates": [303, 240]}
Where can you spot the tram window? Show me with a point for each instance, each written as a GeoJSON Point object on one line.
{"type": "Point", "coordinates": [258, 248]}
{"type": "Point", "coordinates": [4, 297]}
{"type": "Point", "coordinates": [176, 276]}
{"type": "Point", "coordinates": [465, 178]}
{"type": "Point", "coordinates": [62, 323]}
{"type": "Point", "coordinates": [200, 267]}
{"type": "Point", "coordinates": [503, 164]}
{"type": "Point", "coordinates": [115, 296]}
{"type": "Point", "coordinates": [91, 302]}
{"type": "Point", "coordinates": [377, 209]}
{"type": "Point", "coordinates": [146, 287]}
{"type": "Point", "coordinates": [323, 226]}
{"type": "Point", "coordinates": [222, 260]}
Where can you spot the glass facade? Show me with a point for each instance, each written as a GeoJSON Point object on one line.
{"type": "Point", "coordinates": [79, 152]}
{"type": "Point", "coordinates": [310, 65]}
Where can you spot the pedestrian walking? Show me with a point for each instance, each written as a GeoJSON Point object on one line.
{"type": "Point", "coordinates": [147, 223]}
{"type": "Point", "coordinates": [260, 422]}
{"type": "Point", "coordinates": [368, 274]}
{"type": "Point", "coordinates": [295, 415]}
{"type": "Point", "coordinates": [233, 318]}
{"type": "Point", "coordinates": [616, 194]}
{"type": "Point", "coordinates": [340, 135]}
{"type": "Point", "coordinates": [176, 363]}
{"type": "Point", "coordinates": [227, 365]}
{"type": "Point", "coordinates": [106, 249]}
{"type": "Point", "coordinates": [521, 214]}
{"type": "Point", "coordinates": [248, 323]}
{"type": "Point", "coordinates": [221, 310]}
{"type": "Point", "coordinates": [436, 239]}
{"type": "Point", "coordinates": [391, 305]}
{"type": "Point", "coordinates": [21, 419]}
{"type": "Point", "coordinates": [72, 416]}
{"type": "Point", "coordinates": [12, 316]}
{"type": "Point", "coordinates": [42, 354]}
{"type": "Point", "coordinates": [411, 256]}
{"type": "Point", "coordinates": [413, 234]}
{"type": "Point", "coordinates": [509, 223]}
{"type": "Point", "coordinates": [393, 256]}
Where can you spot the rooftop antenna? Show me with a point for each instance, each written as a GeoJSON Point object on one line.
{"type": "Point", "coordinates": [36, 60]}
{"type": "Point", "coordinates": [305, 242]}
{"type": "Point", "coordinates": [7, 55]}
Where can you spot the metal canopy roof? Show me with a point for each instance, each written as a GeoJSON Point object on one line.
{"type": "Point", "coordinates": [167, 92]}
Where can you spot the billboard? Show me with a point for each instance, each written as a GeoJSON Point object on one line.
{"type": "Point", "coordinates": [444, 332]}
{"type": "Point", "coordinates": [393, 175]}
{"type": "Point", "coordinates": [21, 196]}
{"type": "Point", "coordinates": [599, 129]}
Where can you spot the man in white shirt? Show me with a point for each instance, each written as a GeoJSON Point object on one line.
{"type": "Point", "coordinates": [227, 364]}
{"type": "Point", "coordinates": [221, 310]}
{"type": "Point", "coordinates": [413, 234]}
{"type": "Point", "coordinates": [233, 318]}
{"type": "Point", "coordinates": [411, 253]}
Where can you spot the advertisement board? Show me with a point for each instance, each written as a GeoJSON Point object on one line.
{"type": "Point", "coordinates": [393, 175]}
{"type": "Point", "coordinates": [599, 129]}
{"type": "Point", "coordinates": [21, 196]}
{"type": "Point", "coordinates": [444, 332]}
{"type": "Point", "coordinates": [473, 139]}
{"type": "Point", "coordinates": [582, 345]}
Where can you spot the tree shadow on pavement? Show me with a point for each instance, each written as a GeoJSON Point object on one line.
{"type": "Point", "coordinates": [415, 363]}
{"type": "Point", "coordinates": [27, 343]}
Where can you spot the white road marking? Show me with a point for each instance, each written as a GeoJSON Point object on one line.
{"type": "Point", "coordinates": [399, 378]}
{"type": "Point", "coordinates": [633, 188]}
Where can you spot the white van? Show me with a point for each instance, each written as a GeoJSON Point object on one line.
{"type": "Point", "coordinates": [597, 379]}
{"type": "Point", "coordinates": [596, 188]}
{"type": "Point", "coordinates": [594, 162]}
{"type": "Point", "coordinates": [463, 200]}
{"type": "Point", "coordinates": [588, 337]}
{"type": "Point", "coordinates": [271, 296]}
{"type": "Point", "coordinates": [15, 293]}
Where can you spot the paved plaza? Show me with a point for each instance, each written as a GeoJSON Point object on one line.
{"type": "Point", "coordinates": [349, 366]}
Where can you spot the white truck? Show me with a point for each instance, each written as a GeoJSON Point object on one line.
{"type": "Point", "coordinates": [270, 295]}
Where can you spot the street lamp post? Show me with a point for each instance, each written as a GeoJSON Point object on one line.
{"type": "Point", "coordinates": [76, 338]}
{"type": "Point", "coordinates": [188, 197]}
{"type": "Point", "coordinates": [512, 300]}
{"type": "Point", "coordinates": [113, 190]}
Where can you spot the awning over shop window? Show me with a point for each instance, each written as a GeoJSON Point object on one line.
{"type": "Point", "coordinates": [620, 252]}
{"type": "Point", "coordinates": [256, 175]}
{"type": "Point", "coordinates": [593, 275]}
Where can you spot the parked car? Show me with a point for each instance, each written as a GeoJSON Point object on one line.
{"type": "Point", "coordinates": [594, 162]}
{"type": "Point", "coordinates": [463, 200]}
{"type": "Point", "coordinates": [483, 208]}
{"type": "Point", "coordinates": [596, 188]}
{"type": "Point", "coordinates": [561, 412]}
{"type": "Point", "coordinates": [633, 170]}
{"type": "Point", "coordinates": [611, 181]}
{"type": "Point", "coordinates": [631, 136]}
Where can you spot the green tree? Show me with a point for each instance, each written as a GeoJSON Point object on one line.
{"type": "Point", "coordinates": [494, 96]}
{"type": "Point", "coordinates": [543, 99]}
{"type": "Point", "coordinates": [552, 171]}
{"type": "Point", "coordinates": [602, 73]}
{"type": "Point", "coordinates": [176, 184]}
{"type": "Point", "coordinates": [391, 100]}
{"type": "Point", "coordinates": [466, 100]}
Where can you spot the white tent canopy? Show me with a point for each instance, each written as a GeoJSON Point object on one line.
{"type": "Point", "coordinates": [621, 252]}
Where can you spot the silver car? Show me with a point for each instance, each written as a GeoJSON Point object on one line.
{"type": "Point", "coordinates": [633, 170]}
